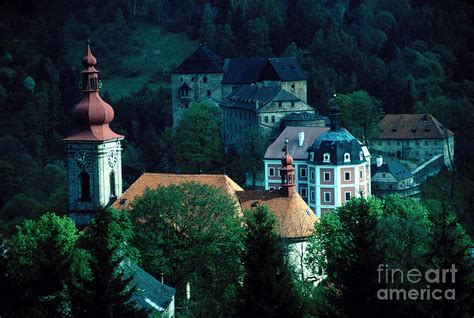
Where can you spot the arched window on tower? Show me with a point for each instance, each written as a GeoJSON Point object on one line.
{"type": "Point", "coordinates": [85, 186]}
{"type": "Point", "coordinates": [112, 184]}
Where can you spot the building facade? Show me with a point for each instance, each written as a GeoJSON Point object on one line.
{"type": "Point", "coordinates": [93, 152]}
{"type": "Point", "coordinates": [258, 106]}
{"type": "Point", "coordinates": [391, 177]}
{"type": "Point", "coordinates": [331, 166]}
{"type": "Point", "coordinates": [416, 137]}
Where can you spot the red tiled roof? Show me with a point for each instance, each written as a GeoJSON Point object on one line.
{"type": "Point", "coordinates": [295, 217]}
{"type": "Point", "coordinates": [411, 126]}
{"type": "Point", "coordinates": [153, 180]}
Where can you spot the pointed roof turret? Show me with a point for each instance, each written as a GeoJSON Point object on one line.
{"type": "Point", "coordinates": [92, 115]}
{"type": "Point", "coordinates": [287, 174]}
{"type": "Point", "coordinates": [335, 116]}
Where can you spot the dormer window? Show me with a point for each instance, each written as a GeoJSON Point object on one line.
{"type": "Point", "coordinates": [347, 157]}
{"type": "Point", "coordinates": [326, 157]}
{"type": "Point", "coordinates": [361, 155]}
{"type": "Point", "coordinates": [311, 156]}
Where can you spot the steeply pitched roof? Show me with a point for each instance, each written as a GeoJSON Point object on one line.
{"type": "Point", "coordinates": [150, 293]}
{"type": "Point", "coordinates": [255, 96]}
{"type": "Point", "coordinates": [295, 217]}
{"type": "Point", "coordinates": [252, 70]}
{"type": "Point", "coordinates": [392, 166]}
{"type": "Point", "coordinates": [303, 117]}
{"type": "Point", "coordinates": [201, 61]}
{"type": "Point", "coordinates": [276, 149]}
{"type": "Point", "coordinates": [411, 126]}
{"type": "Point", "coordinates": [153, 180]}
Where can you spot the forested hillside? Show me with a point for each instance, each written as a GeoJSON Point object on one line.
{"type": "Point", "coordinates": [411, 56]}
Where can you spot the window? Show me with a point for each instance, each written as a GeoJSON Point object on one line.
{"type": "Point", "coordinates": [265, 119]}
{"type": "Point", "coordinates": [347, 176]}
{"type": "Point", "coordinates": [426, 142]}
{"type": "Point", "coordinates": [417, 143]}
{"type": "Point", "coordinates": [361, 155]}
{"type": "Point", "coordinates": [327, 176]}
{"type": "Point", "coordinates": [292, 87]}
{"type": "Point", "coordinates": [304, 192]}
{"type": "Point", "coordinates": [383, 175]}
{"type": "Point", "coordinates": [192, 79]}
{"type": "Point", "coordinates": [311, 156]}
{"type": "Point", "coordinates": [327, 196]}
{"type": "Point", "coordinates": [361, 174]}
{"type": "Point", "coordinates": [326, 157]}
{"type": "Point", "coordinates": [303, 172]}
{"type": "Point", "coordinates": [292, 104]}
{"type": "Point", "coordinates": [204, 79]}
{"type": "Point", "coordinates": [312, 195]}
{"type": "Point", "coordinates": [312, 175]}
{"type": "Point", "coordinates": [272, 188]}
{"type": "Point", "coordinates": [347, 195]}
{"type": "Point", "coordinates": [208, 93]}
{"type": "Point", "coordinates": [85, 186]}
{"type": "Point", "coordinates": [347, 157]}
{"type": "Point", "coordinates": [181, 79]}
{"type": "Point", "coordinates": [436, 142]}
{"type": "Point", "coordinates": [280, 104]}
{"type": "Point", "coordinates": [112, 184]}
{"type": "Point", "coordinates": [273, 119]}
{"type": "Point", "coordinates": [271, 172]}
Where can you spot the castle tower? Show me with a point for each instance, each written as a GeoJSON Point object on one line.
{"type": "Point", "coordinates": [287, 174]}
{"type": "Point", "coordinates": [93, 152]}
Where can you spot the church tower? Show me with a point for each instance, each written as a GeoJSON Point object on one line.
{"type": "Point", "coordinates": [287, 174]}
{"type": "Point", "coordinates": [93, 152]}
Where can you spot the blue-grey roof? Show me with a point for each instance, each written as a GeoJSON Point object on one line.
{"type": "Point", "coordinates": [201, 61]}
{"type": "Point", "coordinates": [393, 167]}
{"type": "Point", "coordinates": [150, 293]}
{"type": "Point", "coordinates": [303, 116]}
{"type": "Point", "coordinates": [253, 70]}
{"type": "Point", "coordinates": [255, 96]}
{"type": "Point", "coordinates": [337, 143]}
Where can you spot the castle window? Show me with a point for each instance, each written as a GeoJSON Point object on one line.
{"type": "Point", "coordinates": [347, 176]}
{"type": "Point", "coordinates": [304, 192]}
{"type": "Point", "coordinates": [361, 155]}
{"type": "Point", "coordinates": [192, 79]}
{"type": "Point", "coordinates": [327, 196]}
{"type": "Point", "coordinates": [347, 195]}
{"type": "Point", "coordinates": [208, 93]}
{"type": "Point", "coordinates": [311, 156]}
{"type": "Point", "coordinates": [85, 186]}
{"type": "Point", "coordinates": [112, 184]}
{"type": "Point", "coordinates": [312, 195]}
{"type": "Point", "coordinates": [361, 174]}
{"type": "Point", "coordinates": [292, 87]}
{"type": "Point", "coordinates": [265, 119]}
{"type": "Point", "coordinates": [312, 175]}
{"type": "Point", "coordinates": [292, 104]}
{"type": "Point", "coordinates": [280, 104]}
{"type": "Point", "coordinates": [181, 79]}
{"type": "Point", "coordinates": [271, 188]}
{"type": "Point", "coordinates": [303, 172]}
{"type": "Point", "coordinates": [271, 172]}
{"type": "Point", "coordinates": [347, 157]}
{"type": "Point", "coordinates": [273, 119]}
{"type": "Point", "coordinates": [327, 176]}
{"type": "Point", "coordinates": [204, 79]}
{"type": "Point", "coordinates": [326, 157]}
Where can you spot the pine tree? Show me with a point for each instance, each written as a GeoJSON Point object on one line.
{"type": "Point", "coordinates": [227, 41]}
{"type": "Point", "coordinates": [207, 31]}
{"type": "Point", "coordinates": [109, 292]}
{"type": "Point", "coordinates": [268, 289]}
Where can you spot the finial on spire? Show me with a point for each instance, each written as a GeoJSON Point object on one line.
{"type": "Point", "coordinates": [88, 60]}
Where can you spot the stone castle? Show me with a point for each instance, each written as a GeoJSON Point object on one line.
{"type": "Point", "coordinates": [252, 93]}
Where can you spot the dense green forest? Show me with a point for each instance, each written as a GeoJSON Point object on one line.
{"type": "Point", "coordinates": [409, 56]}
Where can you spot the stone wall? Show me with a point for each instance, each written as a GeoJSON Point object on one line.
{"type": "Point", "coordinates": [297, 88]}
{"type": "Point", "coordinates": [428, 169]}
{"type": "Point", "coordinates": [204, 86]}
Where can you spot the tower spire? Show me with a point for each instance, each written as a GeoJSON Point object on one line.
{"type": "Point", "coordinates": [287, 174]}
{"type": "Point", "coordinates": [335, 116]}
{"type": "Point", "coordinates": [92, 115]}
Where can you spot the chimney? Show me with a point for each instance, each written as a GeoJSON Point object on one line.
{"type": "Point", "coordinates": [379, 162]}
{"type": "Point", "coordinates": [300, 138]}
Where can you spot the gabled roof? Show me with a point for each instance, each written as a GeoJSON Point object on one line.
{"type": "Point", "coordinates": [303, 117]}
{"type": "Point", "coordinates": [276, 150]}
{"type": "Point", "coordinates": [201, 61]}
{"type": "Point", "coordinates": [295, 217]}
{"type": "Point", "coordinates": [150, 294]}
{"type": "Point", "coordinates": [411, 126]}
{"type": "Point", "coordinates": [153, 180]}
{"type": "Point", "coordinates": [255, 96]}
{"type": "Point", "coordinates": [393, 167]}
{"type": "Point", "coordinates": [253, 70]}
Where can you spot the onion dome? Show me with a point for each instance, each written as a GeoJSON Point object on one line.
{"type": "Point", "coordinates": [337, 146]}
{"type": "Point", "coordinates": [92, 115]}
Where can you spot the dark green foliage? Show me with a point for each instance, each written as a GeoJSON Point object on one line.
{"type": "Point", "coordinates": [108, 292]}
{"type": "Point", "coordinates": [268, 289]}
{"type": "Point", "coordinates": [191, 233]}
{"type": "Point", "coordinates": [197, 143]}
